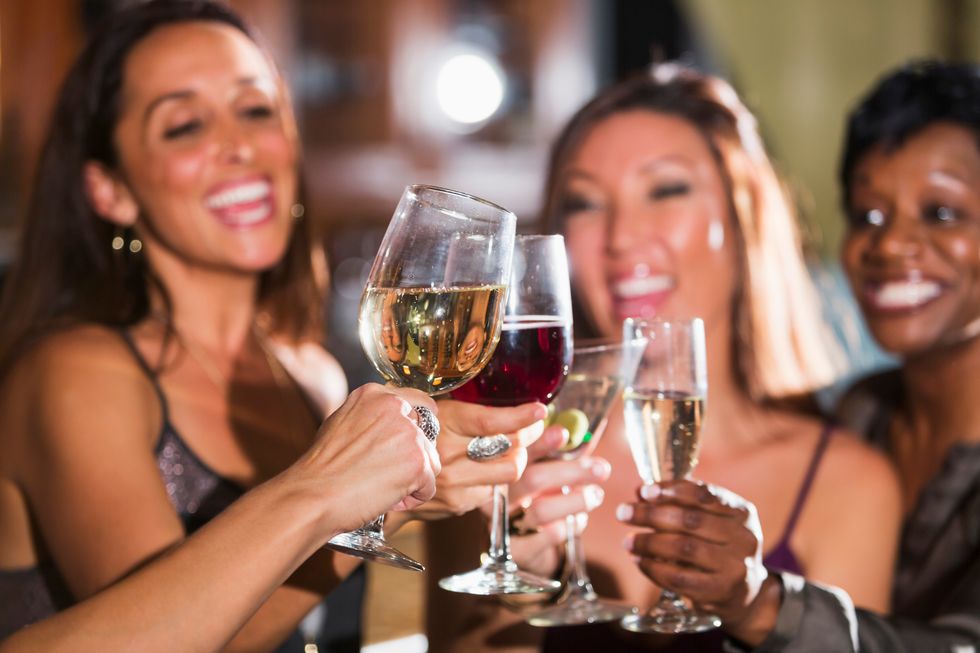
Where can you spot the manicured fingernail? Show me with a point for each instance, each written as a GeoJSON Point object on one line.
{"type": "Point", "coordinates": [650, 492]}
{"type": "Point", "coordinates": [540, 411]}
{"type": "Point", "coordinates": [559, 437]}
{"type": "Point", "coordinates": [581, 521]}
{"type": "Point", "coordinates": [628, 542]}
{"type": "Point", "coordinates": [624, 512]}
{"type": "Point", "coordinates": [593, 496]}
{"type": "Point", "coordinates": [601, 468]}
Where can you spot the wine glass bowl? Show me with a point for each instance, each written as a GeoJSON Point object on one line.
{"type": "Point", "coordinates": [594, 385]}
{"type": "Point", "coordinates": [664, 412]}
{"type": "Point", "coordinates": [431, 311]}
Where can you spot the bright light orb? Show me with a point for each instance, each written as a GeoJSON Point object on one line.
{"type": "Point", "coordinates": [469, 88]}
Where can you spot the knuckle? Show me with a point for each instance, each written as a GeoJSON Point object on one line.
{"type": "Point", "coordinates": [686, 547]}
{"type": "Point", "coordinates": [692, 519]}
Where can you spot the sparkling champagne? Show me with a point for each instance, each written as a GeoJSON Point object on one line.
{"type": "Point", "coordinates": [430, 339]}
{"type": "Point", "coordinates": [664, 431]}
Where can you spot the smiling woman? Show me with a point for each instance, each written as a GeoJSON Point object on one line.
{"type": "Point", "coordinates": [912, 249]}
{"type": "Point", "coordinates": [160, 347]}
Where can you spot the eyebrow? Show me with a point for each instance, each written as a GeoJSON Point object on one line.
{"type": "Point", "coordinates": [184, 94]}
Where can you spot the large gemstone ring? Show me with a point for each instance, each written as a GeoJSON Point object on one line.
{"type": "Point", "coordinates": [428, 422]}
{"type": "Point", "coordinates": [487, 447]}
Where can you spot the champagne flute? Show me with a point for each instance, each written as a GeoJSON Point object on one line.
{"type": "Point", "coordinates": [599, 374]}
{"type": "Point", "coordinates": [529, 364]}
{"type": "Point", "coordinates": [664, 410]}
{"type": "Point", "coordinates": [431, 312]}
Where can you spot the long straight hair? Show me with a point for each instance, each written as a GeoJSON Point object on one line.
{"type": "Point", "coordinates": [782, 347]}
{"type": "Point", "coordinates": [66, 271]}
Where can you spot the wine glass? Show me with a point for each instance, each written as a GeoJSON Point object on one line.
{"type": "Point", "coordinates": [431, 312]}
{"type": "Point", "coordinates": [596, 381]}
{"type": "Point", "coordinates": [529, 364]}
{"type": "Point", "coordinates": [664, 411]}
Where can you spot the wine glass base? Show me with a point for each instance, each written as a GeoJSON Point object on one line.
{"type": "Point", "coordinates": [373, 548]}
{"type": "Point", "coordinates": [577, 611]}
{"type": "Point", "coordinates": [492, 580]}
{"type": "Point", "coordinates": [671, 622]}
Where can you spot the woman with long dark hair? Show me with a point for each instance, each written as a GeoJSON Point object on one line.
{"type": "Point", "coordinates": [160, 347]}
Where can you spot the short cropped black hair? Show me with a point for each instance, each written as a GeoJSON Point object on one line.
{"type": "Point", "coordinates": [906, 101]}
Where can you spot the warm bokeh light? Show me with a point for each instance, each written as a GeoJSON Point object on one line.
{"type": "Point", "coordinates": [469, 88]}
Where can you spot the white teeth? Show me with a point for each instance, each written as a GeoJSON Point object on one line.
{"type": "Point", "coordinates": [905, 294]}
{"type": "Point", "coordinates": [242, 194]}
{"type": "Point", "coordinates": [635, 287]}
{"type": "Point", "coordinates": [251, 216]}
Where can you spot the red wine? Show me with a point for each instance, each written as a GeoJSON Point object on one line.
{"type": "Point", "coordinates": [529, 364]}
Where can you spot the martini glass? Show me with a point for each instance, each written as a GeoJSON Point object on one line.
{"type": "Point", "coordinates": [597, 379]}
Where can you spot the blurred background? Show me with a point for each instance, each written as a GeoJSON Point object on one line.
{"type": "Point", "coordinates": [469, 93]}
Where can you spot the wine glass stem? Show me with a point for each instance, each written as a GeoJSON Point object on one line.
{"type": "Point", "coordinates": [499, 529]}
{"type": "Point", "coordinates": [671, 603]}
{"type": "Point", "coordinates": [375, 528]}
{"type": "Point", "coordinates": [579, 583]}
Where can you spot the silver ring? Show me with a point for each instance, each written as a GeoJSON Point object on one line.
{"type": "Point", "coordinates": [487, 447]}
{"type": "Point", "coordinates": [428, 422]}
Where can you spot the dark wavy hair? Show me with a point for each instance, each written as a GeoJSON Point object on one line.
{"type": "Point", "coordinates": [66, 271]}
{"type": "Point", "coordinates": [906, 101]}
{"type": "Point", "coordinates": [781, 348]}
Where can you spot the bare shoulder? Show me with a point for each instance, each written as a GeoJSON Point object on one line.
{"type": "Point", "coordinates": [70, 378]}
{"type": "Point", "coordinates": [848, 465]}
{"type": "Point", "coordinates": [88, 354]}
{"type": "Point", "coordinates": [863, 466]}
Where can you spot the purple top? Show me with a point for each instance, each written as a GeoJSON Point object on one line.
{"type": "Point", "coordinates": [607, 637]}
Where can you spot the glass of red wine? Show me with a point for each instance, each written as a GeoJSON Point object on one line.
{"type": "Point", "coordinates": [530, 363]}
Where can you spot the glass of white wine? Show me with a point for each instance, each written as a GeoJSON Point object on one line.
{"type": "Point", "coordinates": [664, 412]}
{"type": "Point", "coordinates": [431, 312]}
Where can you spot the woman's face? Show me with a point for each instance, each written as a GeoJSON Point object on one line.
{"type": "Point", "coordinates": [912, 247]}
{"type": "Point", "coordinates": [207, 148]}
{"type": "Point", "coordinates": [647, 223]}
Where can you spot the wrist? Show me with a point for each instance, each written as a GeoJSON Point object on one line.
{"type": "Point", "coordinates": [760, 616]}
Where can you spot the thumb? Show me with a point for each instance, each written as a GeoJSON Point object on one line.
{"type": "Point", "coordinates": [475, 420]}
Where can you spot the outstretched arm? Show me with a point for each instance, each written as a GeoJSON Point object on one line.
{"type": "Point", "coordinates": [196, 596]}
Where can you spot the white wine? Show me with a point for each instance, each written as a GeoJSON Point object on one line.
{"type": "Point", "coordinates": [664, 432]}
{"type": "Point", "coordinates": [430, 339]}
{"type": "Point", "coordinates": [593, 396]}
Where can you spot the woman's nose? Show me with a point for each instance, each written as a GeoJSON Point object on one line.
{"type": "Point", "coordinates": [901, 236]}
{"type": "Point", "coordinates": [235, 146]}
{"type": "Point", "coordinates": [622, 231]}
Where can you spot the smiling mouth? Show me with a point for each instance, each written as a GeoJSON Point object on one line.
{"type": "Point", "coordinates": [641, 296]}
{"type": "Point", "coordinates": [242, 205]}
{"type": "Point", "coordinates": [902, 295]}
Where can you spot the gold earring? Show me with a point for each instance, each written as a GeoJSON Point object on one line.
{"type": "Point", "coordinates": [119, 243]}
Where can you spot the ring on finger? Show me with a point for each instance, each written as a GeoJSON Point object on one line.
{"type": "Point", "coordinates": [428, 422]}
